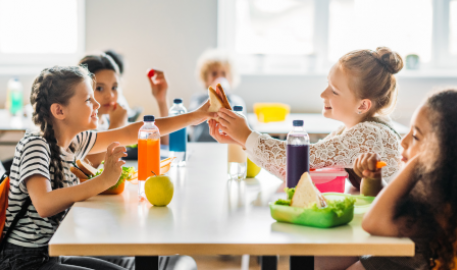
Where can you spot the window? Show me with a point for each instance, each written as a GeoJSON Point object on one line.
{"type": "Point", "coordinates": [403, 25]}
{"type": "Point", "coordinates": [41, 33]}
{"type": "Point", "coordinates": [307, 36]}
{"type": "Point", "coordinates": [453, 27]}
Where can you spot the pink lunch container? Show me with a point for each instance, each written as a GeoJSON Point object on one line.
{"type": "Point", "coordinates": [329, 179]}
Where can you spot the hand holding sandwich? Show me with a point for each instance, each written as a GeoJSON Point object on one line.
{"type": "Point", "coordinates": [233, 126]}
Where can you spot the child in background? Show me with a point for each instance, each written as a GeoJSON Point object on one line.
{"type": "Point", "coordinates": [361, 87]}
{"type": "Point", "coordinates": [421, 202]}
{"type": "Point", "coordinates": [213, 67]}
{"type": "Point", "coordinates": [107, 91]}
{"type": "Point", "coordinates": [66, 111]}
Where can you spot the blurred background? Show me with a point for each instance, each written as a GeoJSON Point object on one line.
{"type": "Point", "coordinates": [283, 48]}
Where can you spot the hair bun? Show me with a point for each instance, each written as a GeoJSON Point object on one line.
{"type": "Point", "coordinates": [391, 60]}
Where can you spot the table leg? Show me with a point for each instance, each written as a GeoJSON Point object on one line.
{"type": "Point", "coordinates": [301, 262]}
{"type": "Point", "coordinates": [147, 263]}
{"type": "Point", "coordinates": [269, 262]}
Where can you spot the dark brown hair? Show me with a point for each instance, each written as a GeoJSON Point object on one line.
{"type": "Point", "coordinates": [430, 208]}
{"type": "Point", "coordinates": [373, 77]}
{"type": "Point", "coordinates": [54, 85]}
{"type": "Point", "coordinates": [97, 62]}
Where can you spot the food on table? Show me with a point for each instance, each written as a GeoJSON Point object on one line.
{"type": "Point", "coordinates": [159, 190]}
{"type": "Point", "coordinates": [306, 194]}
{"type": "Point", "coordinates": [217, 99]}
{"type": "Point", "coordinates": [253, 170]}
{"type": "Point", "coordinates": [165, 165]}
{"type": "Point", "coordinates": [84, 171]}
{"type": "Point", "coordinates": [308, 207]}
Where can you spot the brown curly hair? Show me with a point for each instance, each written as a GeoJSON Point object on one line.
{"type": "Point", "coordinates": [430, 208]}
{"type": "Point", "coordinates": [54, 85]}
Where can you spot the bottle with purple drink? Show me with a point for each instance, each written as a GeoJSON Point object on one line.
{"type": "Point", "coordinates": [297, 153]}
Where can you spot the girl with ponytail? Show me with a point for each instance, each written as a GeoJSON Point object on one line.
{"type": "Point", "coordinates": [66, 112]}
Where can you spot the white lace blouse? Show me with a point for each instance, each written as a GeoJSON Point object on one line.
{"type": "Point", "coordinates": [339, 149]}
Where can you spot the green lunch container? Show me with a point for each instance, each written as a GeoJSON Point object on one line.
{"type": "Point", "coordinates": [320, 218]}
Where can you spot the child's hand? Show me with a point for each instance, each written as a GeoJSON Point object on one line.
{"type": "Point", "coordinates": [234, 125]}
{"type": "Point", "coordinates": [365, 166]}
{"type": "Point", "coordinates": [117, 116]}
{"type": "Point", "coordinates": [201, 114]}
{"type": "Point", "coordinates": [214, 132]}
{"type": "Point", "coordinates": [159, 86]}
{"type": "Point", "coordinates": [113, 163]}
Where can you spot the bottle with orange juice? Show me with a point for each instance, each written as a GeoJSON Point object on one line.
{"type": "Point", "coordinates": [148, 152]}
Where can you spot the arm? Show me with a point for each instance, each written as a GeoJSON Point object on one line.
{"type": "Point", "coordinates": [159, 87]}
{"type": "Point", "coordinates": [379, 220]}
{"type": "Point", "coordinates": [129, 134]}
{"type": "Point", "coordinates": [50, 202]}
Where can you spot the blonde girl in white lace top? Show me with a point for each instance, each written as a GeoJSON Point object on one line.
{"type": "Point", "coordinates": [361, 88]}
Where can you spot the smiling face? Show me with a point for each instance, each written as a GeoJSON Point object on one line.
{"type": "Point", "coordinates": [340, 102]}
{"type": "Point", "coordinates": [419, 134]}
{"type": "Point", "coordinates": [81, 111]}
{"type": "Point", "coordinates": [106, 89]}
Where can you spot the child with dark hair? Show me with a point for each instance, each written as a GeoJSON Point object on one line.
{"type": "Point", "coordinates": [66, 112]}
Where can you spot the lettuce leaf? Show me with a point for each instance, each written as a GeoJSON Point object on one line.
{"type": "Point", "coordinates": [127, 173]}
{"type": "Point", "coordinates": [290, 192]}
{"type": "Point", "coordinates": [336, 206]}
{"type": "Point", "coordinates": [283, 202]}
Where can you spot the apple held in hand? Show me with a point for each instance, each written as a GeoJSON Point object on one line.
{"type": "Point", "coordinates": [159, 190]}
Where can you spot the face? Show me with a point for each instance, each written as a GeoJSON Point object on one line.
{"type": "Point", "coordinates": [106, 89]}
{"type": "Point", "coordinates": [81, 111]}
{"type": "Point", "coordinates": [340, 103]}
{"type": "Point", "coordinates": [216, 72]}
{"type": "Point", "coordinates": [418, 135]}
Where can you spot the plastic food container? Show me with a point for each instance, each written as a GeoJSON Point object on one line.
{"type": "Point", "coordinates": [362, 203]}
{"type": "Point", "coordinates": [329, 179]}
{"type": "Point", "coordinates": [271, 112]}
{"type": "Point", "coordinates": [319, 218]}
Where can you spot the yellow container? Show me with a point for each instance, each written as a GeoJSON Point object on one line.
{"type": "Point", "coordinates": [271, 112]}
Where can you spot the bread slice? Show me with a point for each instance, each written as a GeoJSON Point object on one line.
{"type": "Point", "coordinates": [217, 100]}
{"type": "Point", "coordinates": [78, 173]}
{"type": "Point", "coordinates": [306, 194]}
{"type": "Point", "coordinates": [86, 167]}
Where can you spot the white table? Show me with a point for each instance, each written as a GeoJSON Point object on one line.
{"type": "Point", "coordinates": [13, 127]}
{"type": "Point", "coordinates": [315, 124]}
{"type": "Point", "coordinates": [208, 215]}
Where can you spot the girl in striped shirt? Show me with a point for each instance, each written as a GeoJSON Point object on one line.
{"type": "Point", "coordinates": [66, 111]}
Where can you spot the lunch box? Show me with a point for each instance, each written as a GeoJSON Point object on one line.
{"type": "Point", "coordinates": [321, 218]}
{"type": "Point", "coordinates": [329, 179]}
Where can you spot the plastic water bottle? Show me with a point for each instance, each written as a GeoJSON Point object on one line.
{"type": "Point", "coordinates": [178, 139]}
{"type": "Point", "coordinates": [297, 153]}
{"type": "Point", "coordinates": [14, 97]}
{"type": "Point", "coordinates": [237, 158]}
{"type": "Point", "coordinates": [148, 152]}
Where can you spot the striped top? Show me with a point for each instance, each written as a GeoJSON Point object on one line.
{"type": "Point", "coordinates": [32, 157]}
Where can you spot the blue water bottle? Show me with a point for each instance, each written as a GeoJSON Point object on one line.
{"type": "Point", "coordinates": [178, 139]}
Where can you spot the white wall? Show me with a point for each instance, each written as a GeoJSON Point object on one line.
{"type": "Point", "coordinates": [171, 34]}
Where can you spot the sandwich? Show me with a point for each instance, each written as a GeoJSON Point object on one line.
{"type": "Point", "coordinates": [218, 99]}
{"type": "Point", "coordinates": [84, 171]}
{"type": "Point", "coordinates": [306, 194]}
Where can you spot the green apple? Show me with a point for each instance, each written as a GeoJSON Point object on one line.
{"type": "Point", "coordinates": [253, 170]}
{"type": "Point", "coordinates": [159, 190]}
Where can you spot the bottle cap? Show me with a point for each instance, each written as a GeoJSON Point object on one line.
{"type": "Point", "coordinates": [238, 108]}
{"type": "Point", "coordinates": [297, 123]}
{"type": "Point", "coordinates": [177, 101]}
{"type": "Point", "coordinates": [148, 118]}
